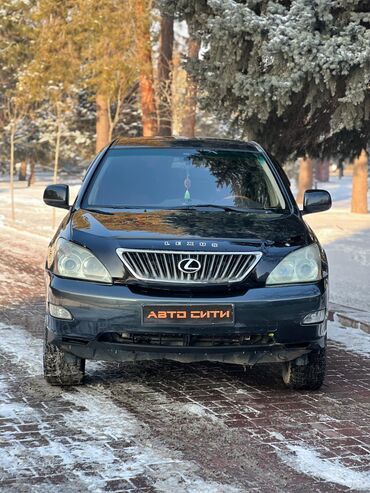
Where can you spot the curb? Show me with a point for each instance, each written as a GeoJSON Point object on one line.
{"type": "Point", "coordinates": [350, 317]}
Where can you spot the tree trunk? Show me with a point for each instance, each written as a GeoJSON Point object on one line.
{"type": "Point", "coordinates": [11, 184]}
{"type": "Point", "coordinates": [114, 119]}
{"type": "Point", "coordinates": [190, 110]}
{"type": "Point", "coordinates": [102, 122]}
{"type": "Point", "coordinates": [32, 176]}
{"type": "Point", "coordinates": [359, 184]}
{"type": "Point", "coordinates": [305, 178]}
{"type": "Point", "coordinates": [165, 76]}
{"type": "Point", "coordinates": [146, 85]}
{"type": "Point", "coordinates": [149, 121]}
{"type": "Point", "coordinates": [57, 151]}
{"type": "Point", "coordinates": [57, 145]}
{"type": "Point", "coordinates": [322, 170]}
{"type": "Point", "coordinates": [22, 175]}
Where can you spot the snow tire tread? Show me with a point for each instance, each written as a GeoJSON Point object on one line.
{"type": "Point", "coordinates": [58, 371]}
{"type": "Point", "coordinates": [309, 376]}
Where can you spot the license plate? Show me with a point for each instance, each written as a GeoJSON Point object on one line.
{"type": "Point", "coordinates": [188, 314]}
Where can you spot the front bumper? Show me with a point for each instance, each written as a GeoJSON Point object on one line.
{"type": "Point", "coordinates": [101, 309]}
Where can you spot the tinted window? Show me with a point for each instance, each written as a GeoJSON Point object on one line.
{"type": "Point", "coordinates": [166, 178]}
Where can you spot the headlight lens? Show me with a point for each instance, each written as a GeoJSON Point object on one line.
{"type": "Point", "coordinates": [74, 261]}
{"type": "Point", "coordinates": [303, 265]}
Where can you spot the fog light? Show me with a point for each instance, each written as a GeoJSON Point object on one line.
{"type": "Point", "coordinates": [58, 311]}
{"type": "Point", "coordinates": [314, 317]}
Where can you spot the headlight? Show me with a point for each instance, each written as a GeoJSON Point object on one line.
{"type": "Point", "coordinates": [74, 261]}
{"type": "Point", "coordinates": [303, 265]}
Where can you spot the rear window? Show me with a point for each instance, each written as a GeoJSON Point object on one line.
{"type": "Point", "coordinates": [169, 178]}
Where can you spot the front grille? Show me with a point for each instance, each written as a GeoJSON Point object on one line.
{"type": "Point", "coordinates": [163, 266]}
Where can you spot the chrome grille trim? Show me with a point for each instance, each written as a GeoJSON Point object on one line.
{"type": "Point", "coordinates": [162, 265]}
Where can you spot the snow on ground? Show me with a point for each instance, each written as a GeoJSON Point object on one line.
{"type": "Point", "coordinates": [307, 461]}
{"type": "Point", "coordinates": [31, 214]}
{"type": "Point", "coordinates": [346, 239]}
{"type": "Point", "coordinates": [353, 339]}
{"type": "Point", "coordinates": [24, 350]}
{"type": "Point", "coordinates": [198, 410]}
{"type": "Point", "coordinates": [89, 402]}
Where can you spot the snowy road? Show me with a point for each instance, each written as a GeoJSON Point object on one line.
{"type": "Point", "coordinates": [346, 239]}
{"type": "Point", "coordinates": [169, 427]}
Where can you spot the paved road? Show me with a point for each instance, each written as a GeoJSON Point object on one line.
{"type": "Point", "coordinates": [168, 427]}
{"type": "Point", "coordinates": [346, 239]}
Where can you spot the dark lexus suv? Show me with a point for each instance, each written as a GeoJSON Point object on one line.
{"type": "Point", "coordinates": [189, 250]}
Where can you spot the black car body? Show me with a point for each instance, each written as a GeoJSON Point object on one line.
{"type": "Point", "coordinates": [181, 277]}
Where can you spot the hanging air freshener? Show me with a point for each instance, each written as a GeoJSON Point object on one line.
{"type": "Point", "coordinates": [187, 185]}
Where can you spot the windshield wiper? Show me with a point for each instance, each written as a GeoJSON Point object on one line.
{"type": "Point", "coordinates": [99, 211]}
{"type": "Point", "coordinates": [117, 207]}
{"type": "Point", "coordinates": [208, 206]}
{"type": "Point", "coordinates": [217, 206]}
{"type": "Point", "coordinates": [189, 207]}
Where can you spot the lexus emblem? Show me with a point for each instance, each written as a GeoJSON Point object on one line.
{"type": "Point", "coordinates": [189, 265]}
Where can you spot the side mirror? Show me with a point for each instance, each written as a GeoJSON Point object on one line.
{"type": "Point", "coordinates": [316, 201]}
{"type": "Point", "coordinates": [57, 196]}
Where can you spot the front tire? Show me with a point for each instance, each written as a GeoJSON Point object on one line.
{"type": "Point", "coordinates": [306, 375]}
{"type": "Point", "coordinates": [62, 369]}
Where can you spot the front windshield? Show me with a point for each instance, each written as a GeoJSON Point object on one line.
{"type": "Point", "coordinates": [168, 178]}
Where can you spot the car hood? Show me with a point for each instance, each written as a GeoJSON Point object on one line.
{"type": "Point", "coordinates": [268, 228]}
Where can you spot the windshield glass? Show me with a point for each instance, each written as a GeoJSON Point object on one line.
{"type": "Point", "coordinates": [176, 178]}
